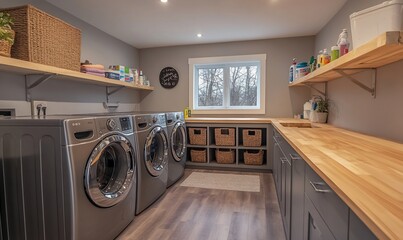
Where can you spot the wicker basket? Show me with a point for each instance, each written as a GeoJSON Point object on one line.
{"type": "Point", "coordinates": [5, 46]}
{"type": "Point", "coordinates": [253, 157]}
{"type": "Point", "coordinates": [224, 136]}
{"type": "Point", "coordinates": [226, 156]}
{"type": "Point", "coordinates": [252, 137]}
{"type": "Point", "coordinates": [198, 136]}
{"type": "Point", "coordinates": [198, 155]}
{"type": "Point", "coordinates": [42, 38]}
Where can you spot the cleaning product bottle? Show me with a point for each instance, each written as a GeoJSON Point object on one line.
{"type": "Point", "coordinates": [291, 77]}
{"type": "Point", "coordinates": [325, 57]}
{"type": "Point", "coordinates": [319, 59]}
{"type": "Point", "coordinates": [343, 42]}
{"type": "Point", "coordinates": [141, 78]}
{"type": "Point", "coordinates": [334, 54]}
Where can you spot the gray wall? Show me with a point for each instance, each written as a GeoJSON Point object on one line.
{"type": "Point", "coordinates": [97, 47]}
{"type": "Point", "coordinates": [281, 101]}
{"type": "Point", "coordinates": [352, 107]}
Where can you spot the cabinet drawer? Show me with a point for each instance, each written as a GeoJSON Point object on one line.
{"type": "Point", "coordinates": [332, 209]}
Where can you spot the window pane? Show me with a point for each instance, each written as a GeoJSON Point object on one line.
{"type": "Point", "coordinates": [243, 85]}
{"type": "Point", "coordinates": [211, 86]}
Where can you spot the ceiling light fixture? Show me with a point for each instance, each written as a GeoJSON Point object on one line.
{"type": "Point", "coordinates": [164, 1]}
{"type": "Point", "coordinates": [199, 35]}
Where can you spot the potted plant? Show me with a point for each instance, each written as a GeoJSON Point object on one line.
{"type": "Point", "coordinates": [321, 111]}
{"type": "Point", "coordinates": [6, 34]}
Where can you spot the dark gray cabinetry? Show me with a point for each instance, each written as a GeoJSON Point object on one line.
{"type": "Point", "coordinates": [358, 230]}
{"type": "Point", "coordinates": [315, 227]}
{"type": "Point", "coordinates": [330, 207]}
{"type": "Point", "coordinates": [297, 195]}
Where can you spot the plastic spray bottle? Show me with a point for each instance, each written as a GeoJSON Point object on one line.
{"type": "Point", "coordinates": [343, 42]}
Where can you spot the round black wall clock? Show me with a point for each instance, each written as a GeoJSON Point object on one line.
{"type": "Point", "coordinates": [169, 77]}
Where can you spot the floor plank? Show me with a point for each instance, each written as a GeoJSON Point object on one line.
{"type": "Point", "coordinates": [209, 214]}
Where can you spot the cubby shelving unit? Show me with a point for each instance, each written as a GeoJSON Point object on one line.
{"type": "Point", "coordinates": [382, 50]}
{"type": "Point", "coordinates": [238, 147]}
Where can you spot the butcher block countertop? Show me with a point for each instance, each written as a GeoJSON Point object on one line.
{"type": "Point", "coordinates": [366, 172]}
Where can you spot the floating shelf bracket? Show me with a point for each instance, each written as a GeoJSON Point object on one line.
{"type": "Point", "coordinates": [372, 89]}
{"type": "Point", "coordinates": [324, 93]}
{"type": "Point", "coordinates": [28, 87]}
{"type": "Point", "coordinates": [112, 90]}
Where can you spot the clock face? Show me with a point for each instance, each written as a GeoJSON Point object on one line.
{"type": "Point", "coordinates": [169, 77]}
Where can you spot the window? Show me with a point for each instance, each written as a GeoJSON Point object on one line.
{"type": "Point", "coordinates": [227, 85]}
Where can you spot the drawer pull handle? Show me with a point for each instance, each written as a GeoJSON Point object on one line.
{"type": "Point", "coordinates": [314, 185]}
{"type": "Point", "coordinates": [294, 157]}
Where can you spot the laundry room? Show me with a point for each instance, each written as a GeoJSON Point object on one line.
{"type": "Point", "coordinates": [228, 119]}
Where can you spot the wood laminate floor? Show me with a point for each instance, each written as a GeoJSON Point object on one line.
{"type": "Point", "coordinates": [186, 213]}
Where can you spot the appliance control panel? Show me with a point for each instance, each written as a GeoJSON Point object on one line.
{"type": "Point", "coordinates": [125, 123]}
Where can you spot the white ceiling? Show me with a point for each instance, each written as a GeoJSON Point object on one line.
{"type": "Point", "coordinates": [150, 23]}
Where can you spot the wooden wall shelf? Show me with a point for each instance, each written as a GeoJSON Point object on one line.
{"type": "Point", "coordinates": [29, 68]}
{"type": "Point", "coordinates": [386, 48]}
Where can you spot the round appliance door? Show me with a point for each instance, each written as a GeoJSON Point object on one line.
{"type": "Point", "coordinates": [156, 151]}
{"type": "Point", "coordinates": [178, 141]}
{"type": "Point", "coordinates": [109, 172]}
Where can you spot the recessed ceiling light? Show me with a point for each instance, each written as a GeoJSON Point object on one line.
{"type": "Point", "coordinates": [199, 35]}
{"type": "Point", "coordinates": [164, 1]}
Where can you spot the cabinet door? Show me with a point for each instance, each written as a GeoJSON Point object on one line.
{"type": "Point", "coordinates": [358, 230]}
{"type": "Point", "coordinates": [314, 226]}
{"type": "Point", "coordinates": [297, 196]}
{"type": "Point", "coordinates": [287, 200]}
{"type": "Point", "coordinates": [277, 170]}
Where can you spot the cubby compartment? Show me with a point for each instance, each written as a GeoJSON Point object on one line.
{"type": "Point", "coordinates": [252, 137]}
{"type": "Point", "coordinates": [225, 145]}
{"type": "Point", "coordinates": [197, 155]}
{"type": "Point", "coordinates": [252, 157]}
{"type": "Point", "coordinates": [197, 136]}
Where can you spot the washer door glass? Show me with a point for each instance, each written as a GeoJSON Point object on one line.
{"type": "Point", "coordinates": [156, 151]}
{"type": "Point", "coordinates": [109, 171]}
{"type": "Point", "coordinates": [178, 141]}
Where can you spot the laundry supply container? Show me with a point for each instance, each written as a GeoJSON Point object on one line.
{"type": "Point", "coordinates": [371, 22]}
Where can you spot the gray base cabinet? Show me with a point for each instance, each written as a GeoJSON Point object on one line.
{"type": "Point", "coordinates": [310, 209]}
{"type": "Point", "coordinates": [358, 230]}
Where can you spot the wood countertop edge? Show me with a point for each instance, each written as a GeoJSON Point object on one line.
{"type": "Point", "coordinates": [381, 229]}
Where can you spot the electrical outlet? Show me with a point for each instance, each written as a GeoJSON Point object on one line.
{"type": "Point", "coordinates": [35, 104]}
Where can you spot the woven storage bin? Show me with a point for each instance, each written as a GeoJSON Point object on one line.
{"type": "Point", "coordinates": [251, 157]}
{"type": "Point", "coordinates": [42, 38]}
{"type": "Point", "coordinates": [252, 137]}
{"type": "Point", "coordinates": [198, 155]}
{"type": "Point", "coordinates": [224, 136]}
{"type": "Point", "coordinates": [5, 46]}
{"type": "Point", "coordinates": [225, 156]}
{"type": "Point", "coordinates": [198, 136]}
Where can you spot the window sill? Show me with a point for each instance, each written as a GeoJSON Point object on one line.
{"type": "Point", "coordinates": [228, 111]}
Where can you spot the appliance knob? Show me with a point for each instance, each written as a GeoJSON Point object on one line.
{"type": "Point", "coordinates": [155, 119]}
{"type": "Point", "coordinates": [177, 116]}
{"type": "Point", "coordinates": [111, 124]}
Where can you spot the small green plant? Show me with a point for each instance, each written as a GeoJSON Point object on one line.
{"type": "Point", "coordinates": [6, 21]}
{"type": "Point", "coordinates": [323, 106]}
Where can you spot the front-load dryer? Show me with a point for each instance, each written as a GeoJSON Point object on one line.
{"type": "Point", "coordinates": [67, 177]}
{"type": "Point", "coordinates": [176, 128]}
{"type": "Point", "coordinates": [152, 167]}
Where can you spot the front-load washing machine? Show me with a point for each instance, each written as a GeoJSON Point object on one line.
{"type": "Point", "coordinates": [152, 167]}
{"type": "Point", "coordinates": [67, 177]}
{"type": "Point", "coordinates": [176, 128]}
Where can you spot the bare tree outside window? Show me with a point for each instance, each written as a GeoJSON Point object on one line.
{"type": "Point", "coordinates": [243, 85]}
{"type": "Point", "coordinates": [211, 86]}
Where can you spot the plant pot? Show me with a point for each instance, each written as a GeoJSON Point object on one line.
{"type": "Point", "coordinates": [318, 117]}
{"type": "Point", "coordinates": [5, 46]}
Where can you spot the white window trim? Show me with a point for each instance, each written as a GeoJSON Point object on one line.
{"type": "Point", "coordinates": [228, 59]}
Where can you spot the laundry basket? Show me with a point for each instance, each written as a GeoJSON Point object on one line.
{"type": "Point", "coordinates": [224, 136]}
{"type": "Point", "coordinates": [225, 156]}
{"type": "Point", "coordinates": [198, 155]}
{"type": "Point", "coordinates": [252, 137]}
{"type": "Point", "coordinates": [198, 136]}
{"type": "Point", "coordinates": [253, 157]}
